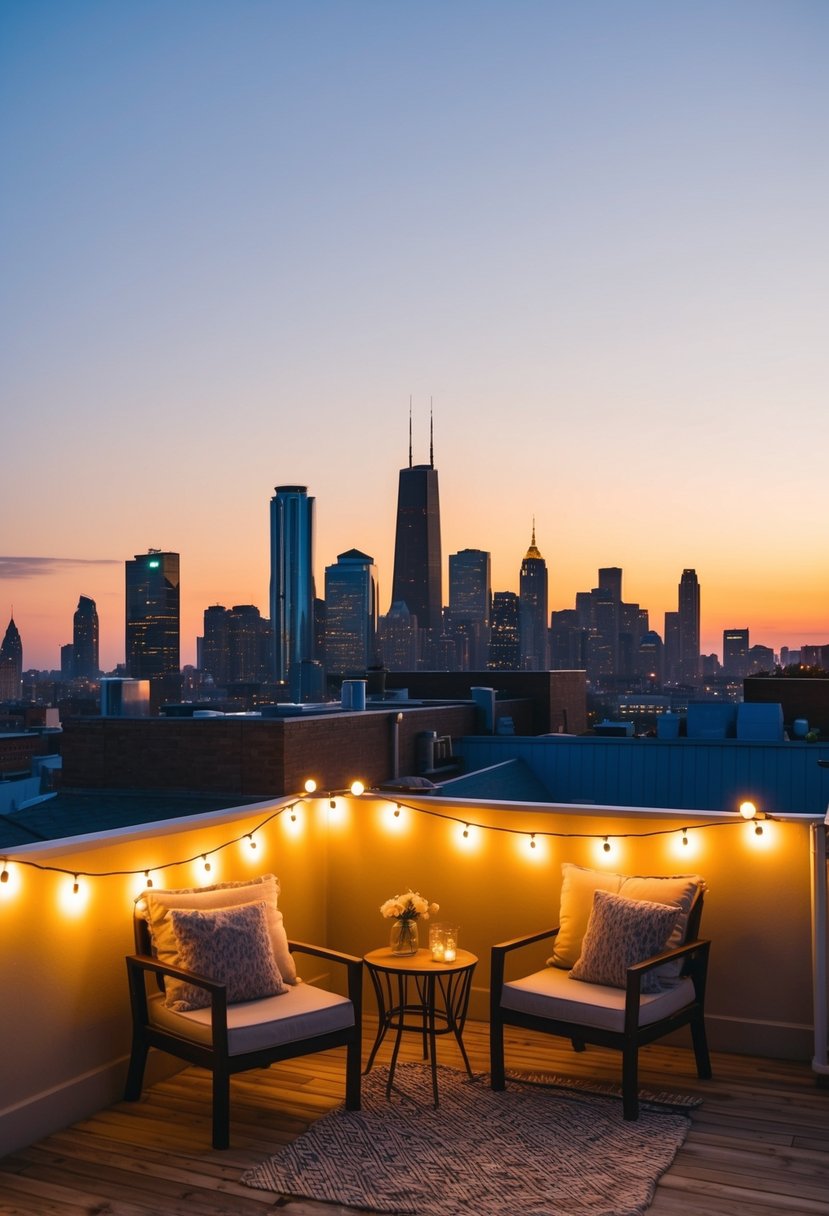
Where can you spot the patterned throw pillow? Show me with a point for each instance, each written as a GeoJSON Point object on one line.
{"type": "Point", "coordinates": [622, 932]}
{"type": "Point", "coordinates": [158, 903]}
{"type": "Point", "coordinates": [229, 945]}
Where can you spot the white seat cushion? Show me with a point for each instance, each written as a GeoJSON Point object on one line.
{"type": "Point", "coordinates": [551, 993]}
{"type": "Point", "coordinates": [302, 1012]}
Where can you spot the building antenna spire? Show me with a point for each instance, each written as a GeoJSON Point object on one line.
{"type": "Point", "coordinates": [410, 430]}
{"type": "Point", "coordinates": [431, 435]}
{"type": "Point", "coordinates": [533, 541]}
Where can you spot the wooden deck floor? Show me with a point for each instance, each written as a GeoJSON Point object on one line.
{"type": "Point", "coordinates": [759, 1144]}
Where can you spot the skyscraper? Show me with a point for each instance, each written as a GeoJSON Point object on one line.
{"type": "Point", "coordinates": [534, 618]}
{"type": "Point", "coordinates": [215, 650]}
{"type": "Point", "coordinates": [153, 624]}
{"type": "Point", "coordinates": [470, 597]}
{"type": "Point", "coordinates": [689, 627]}
{"type": "Point", "coordinates": [670, 662]}
{"type": "Point", "coordinates": [417, 554]}
{"type": "Point", "coordinates": [350, 614]}
{"type": "Point", "coordinates": [85, 640]}
{"type": "Point", "coordinates": [504, 642]}
{"type": "Point", "coordinates": [292, 579]}
{"type": "Point", "coordinates": [735, 652]}
{"type": "Point", "coordinates": [11, 664]}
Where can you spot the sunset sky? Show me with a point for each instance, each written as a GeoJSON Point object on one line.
{"type": "Point", "coordinates": [238, 235]}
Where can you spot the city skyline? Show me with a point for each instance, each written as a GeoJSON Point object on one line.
{"type": "Point", "coordinates": [235, 241]}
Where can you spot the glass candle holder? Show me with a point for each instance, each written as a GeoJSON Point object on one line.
{"type": "Point", "coordinates": [443, 943]}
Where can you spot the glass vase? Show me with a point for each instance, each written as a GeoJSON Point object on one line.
{"type": "Point", "coordinates": [403, 939]}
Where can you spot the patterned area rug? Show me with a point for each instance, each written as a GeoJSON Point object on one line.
{"type": "Point", "coordinates": [533, 1150]}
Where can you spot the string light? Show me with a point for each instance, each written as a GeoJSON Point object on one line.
{"type": "Point", "coordinates": [357, 788]}
{"type": "Point", "coordinates": [747, 811]}
{"type": "Point", "coordinates": [333, 804]}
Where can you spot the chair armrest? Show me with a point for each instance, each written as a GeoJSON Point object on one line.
{"type": "Point", "coordinates": [140, 964]}
{"type": "Point", "coordinates": [696, 952]}
{"type": "Point", "coordinates": [700, 946]}
{"type": "Point", "coordinates": [498, 959]}
{"type": "Point", "coordinates": [333, 956]}
{"type": "Point", "coordinates": [353, 965]}
{"type": "Point", "coordinates": [516, 943]}
{"type": "Point", "coordinates": [143, 962]}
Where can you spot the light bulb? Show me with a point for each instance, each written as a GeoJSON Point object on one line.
{"type": "Point", "coordinates": [252, 841]}
{"type": "Point", "coordinates": [748, 810]}
{"type": "Point", "coordinates": [206, 864]}
{"type": "Point", "coordinates": [310, 785]}
{"type": "Point", "coordinates": [532, 841]}
{"type": "Point", "coordinates": [684, 835]}
{"type": "Point", "coordinates": [147, 878]}
{"type": "Point", "coordinates": [606, 845]}
{"type": "Point", "coordinates": [75, 886]}
{"type": "Point", "coordinates": [357, 788]}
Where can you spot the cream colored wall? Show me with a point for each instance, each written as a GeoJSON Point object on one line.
{"type": "Point", "coordinates": [64, 1012]}
{"type": "Point", "coordinates": [64, 1015]}
{"type": "Point", "coordinates": [757, 909]}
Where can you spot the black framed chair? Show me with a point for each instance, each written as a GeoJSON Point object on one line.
{"type": "Point", "coordinates": [230, 1038]}
{"type": "Point", "coordinates": [551, 1002]}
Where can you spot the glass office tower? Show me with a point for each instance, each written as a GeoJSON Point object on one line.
{"type": "Point", "coordinates": [292, 579]}
{"type": "Point", "coordinates": [350, 614]}
{"type": "Point", "coordinates": [85, 640]}
{"type": "Point", "coordinates": [153, 623]}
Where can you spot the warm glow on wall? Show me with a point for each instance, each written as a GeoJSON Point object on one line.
{"type": "Point", "coordinates": [9, 881]}
{"type": "Point", "coordinates": [685, 845]}
{"type": "Point", "coordinates": [677, 846]}
{"type": "Point", "coordinates": [468, 839]}
{"type": "Point", "coordinates": [73, 894]}
{"type": "Point", "coordinates": [760, 834]}
{"type": "Point", "coordinates": [533, 847]}
{"type": "Point", "coordinates": [395, 818]}
{"type": "Point", "coordinates": [607, 851]}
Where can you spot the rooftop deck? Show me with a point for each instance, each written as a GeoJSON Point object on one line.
{"type": "Point", "coordinates": [758, 1145]}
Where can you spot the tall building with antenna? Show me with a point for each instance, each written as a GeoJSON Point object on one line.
{"type": "Point", "coordinates": [417, 552]}
{"type": "Point", "coordinates": [534, 618]}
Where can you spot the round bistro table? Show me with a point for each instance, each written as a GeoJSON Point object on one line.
{"type": "Point", "coordinates": [415, 993]}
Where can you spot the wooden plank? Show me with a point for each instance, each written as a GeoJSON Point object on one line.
{"type": "Point", "coordinates": [758, 1145]}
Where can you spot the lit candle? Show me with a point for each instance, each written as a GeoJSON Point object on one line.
{"type": "Point", "coordinates": [449, 950]}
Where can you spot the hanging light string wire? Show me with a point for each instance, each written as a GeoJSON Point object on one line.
{"type": "Point", "coordinates": [467, 824]}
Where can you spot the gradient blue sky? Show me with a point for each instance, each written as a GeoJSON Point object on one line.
{"type": "Point", "coordinates": [235, 237]}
